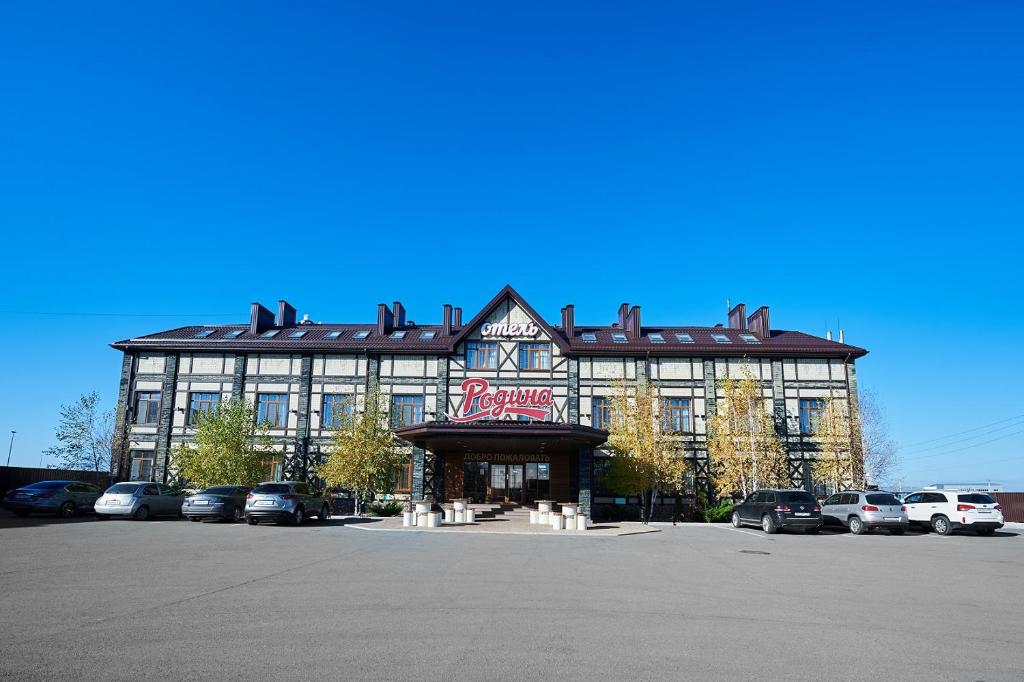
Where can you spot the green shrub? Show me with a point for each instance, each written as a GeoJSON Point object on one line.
{"type": "Point", "coordinates": [719, 513]}
{"type": "Point", "coordinates": [391, 508]}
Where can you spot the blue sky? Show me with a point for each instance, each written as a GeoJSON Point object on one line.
{"type": "Point", "coordinates": [844, 164]}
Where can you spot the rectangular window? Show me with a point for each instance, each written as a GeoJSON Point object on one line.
{"type": "Point", "coordinates": [147, 407]}
{"type": "Point", "coordinates": [203, 333]}
{"type": "Point", "coordinates": [142, 465]}
{"type": "Point", "coordinates": [618, 337]}
{"type": "Point", "coordinates": [656, 338]}
{"type": "Point", "coordinates": [589, 337]}
{"type": "Point", "coordinates": [335, 408]}
{"type": "Point", "coordinates": [675, 415]}
{"type": "Point", "coordinates": [750, 338]}
{"type": "Point", "coordinates": [811, 410]}
{"type": "Point", "coordinates": [270, 334]}
{"type": "Point", "coordinates": [482, 355]}
{"type": "Point", "coordinates": [272, 409]}
{"type": "Point", "coordinates": [601, 412]}
{"type": "Point", "coordinates": [535, 356]}
{"type": "Point", "coordinates": [601, 466]}
{"type": "Point", "coordinates": [200, 404]}
{"type": "Point", "coordinates": [332, 335]}
{"type": "Point", "coordinates": [684, 338]}
{"type": "Point", "coordinates": [298, 334]}
{"type": "Point", "coordinates": [721, 338]}
{"type": "Point", "coordinates": [403, 477]}
{"type": "Point", "coordinates": [427, 335]}
{"type": "Point", "coordinates": [361, 335]}
{"type": "Point", "coordinates": [406, 409]}
{"type": "Point", "coordinates": [398, 335]}
{"type": "Point", "coordinates": [234, 333]}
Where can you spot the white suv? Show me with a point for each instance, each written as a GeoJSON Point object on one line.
{"type": "Point", "coordinates": [947, 510]}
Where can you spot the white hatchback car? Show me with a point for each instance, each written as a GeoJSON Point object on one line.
{"type": "Point", "coordinates": [947, 510]}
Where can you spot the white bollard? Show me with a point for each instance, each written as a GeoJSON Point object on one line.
{"type": "Point", "coordinates": [543, 517]}
{"type": "Point", "coordinates": [460, 515]}
{"type": "Point", "coordinates": [408, 519]}
{"type": "Point", "coordinates": [471, 516]}
{"type": "Point", "coordinates": [534, 516]}
{"type": "Point", "coordinates": [433, 519]}
{"type": "Point", "coordinates": [581, 522]}
{"type": "Point", "coordinates": [556, 521]}
{"type": "Point", "coordinates": [449, 515]}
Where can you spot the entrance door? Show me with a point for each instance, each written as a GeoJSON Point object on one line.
{"type": "Point", "coordinates": [507, 482]}
{"type": "Point", "coordinates": [474, 479]}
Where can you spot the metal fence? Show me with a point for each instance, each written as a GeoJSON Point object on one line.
{"type": "Point", "coordinates": [16, 477]}
{"type": "Point", "coordinates": [1012, 504]}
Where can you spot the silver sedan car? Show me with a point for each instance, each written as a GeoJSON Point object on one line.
{"type": "Point", "coordinates": [864, 510]}
{"type": "Point", "coordinates": [63, 498]}
{"type": "Point", "coordinates": [139, 500]}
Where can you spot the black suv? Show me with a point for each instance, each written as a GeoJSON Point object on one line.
{"type": "Point", "coordinates": [776, 509]}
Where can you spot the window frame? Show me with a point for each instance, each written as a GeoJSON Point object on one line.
{"type": "Point", "coordinates": [141, 456]}
{"type": "Point", "coordinates": [475, 347]}
{"type": "Point", "coordinates": [604, 409]}
{"type": "Point", "coordinates": [261, 411]}
{"type": "Point", "coordinates": [685, 410]}
{"type": "Point", "coordinates": [534, 349]}
{"type": "Point", "coordinates": [149, 403]}
{"type": "Point", "coordinates": [336, 400]}
{"type": "Point", "coordinates": [400, 403]}
{"type": "Point", "coordinates": [192, 415]}
{"type": "Point", "coordinates": [809, 426]}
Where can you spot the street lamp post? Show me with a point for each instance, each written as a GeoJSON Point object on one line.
{"type": "Point", "coordinates": [10, 448]}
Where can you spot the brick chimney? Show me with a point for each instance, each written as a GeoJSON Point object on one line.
{"type": "Point", "coordinates": [632, 322]}
{"type": "Point", "coordinates": [398, 313]}
{"type": "Point", "coordinates": [738, 317]}
{"type": "Point", "coordinates": [569, 320]}
{"type": "Point", "coordinates": [260, 319]}
{"type": "Point", "coordinates": [759, 322]}
{"type": "Point", "coordinates": [285, 314]}
{"type": "Point", "coordinates": [457, 320]}
{"type": "Point", "coordinates": [385, 319]}
{"type": "Point", "coordinates": [623, 312]}
{"type": "Point", "coordinates": [446, 324]}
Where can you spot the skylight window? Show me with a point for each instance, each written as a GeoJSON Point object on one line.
{"type": "Point", "coordinates": [332, 335]}
{"type": "Point", "coordinates": [721, 338]}
{"type": "Point", "coordinates": [684, 338]}
{"type": "Point", "coordinates": [297, 334]}
{"type": "Point", "coordinates": [203, 333]}
{"type": "Point", "coordinates": [270, 334]}
{"type": "Point", "coordinates": [428, 335]}
{"type": "Point", "coordinates": [589, 337]}
{"type": "Point", "coordinates": [750, 338]}
{"type": "Point", "coordinates": [656, 338]}
{"type": "Point", "coordinates": [234, 333]}
{"type": "Point", "coordinates": [398, 335]}
{"type": "Point", "coordinates": [361, 335]}
{"type": "Point", "coordinates": [618, 337]}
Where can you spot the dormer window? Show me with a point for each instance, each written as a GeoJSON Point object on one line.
{"type": "Point", "coordinates": [360, 335]}
{"type": "Point", "coordinates": [589, 337]}
{"type": "Point", "coordinates": [427, 335]}
{"type": "Point", "coordinates": [656, 338]}
{"type": "Point", "coordinates": [332, 335]}
{"type": "Point", "coordinates": [750, 338]}
{"type": "Point", "coordinates": [398, 335]}
{"type": "Point", "coordinates": [270, 334]}
{"type": "Point", "coordinates": [234, 333]}
{"type": "Point", "coordinates": [297, 334]}
{"type": "Point", "coordinates": [684, 338]}
{"type": "Point", "coordinates": [721, 338]}
{"type": "Point", "coordinates": [619, 337]}
{"type": "Point", "coordinates": [203, 333]}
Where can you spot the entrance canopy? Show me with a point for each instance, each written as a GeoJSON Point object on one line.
{"type": "Point", "coordinates": [502, 436]}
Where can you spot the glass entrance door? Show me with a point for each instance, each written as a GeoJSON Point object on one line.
{"type": "Point", "coordinates": [507, 482]}
{"type": "Point", "coordinates": [474, 481]}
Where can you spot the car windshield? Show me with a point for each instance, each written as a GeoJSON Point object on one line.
{"type": "Point", "coordinates": [122, 488]}
{"type": "Point", "coordinates": [796, 496]}
{"type": "Point", "coordinates": [271, 489]}
{"type": "Point", "coordinates": [219, 490]}
{"type": "Point", "coordinates": [975, 498]}
{"type": "Point", "coordinates": [882, 498]}
{"type": "Point", "coordinates": [46, 485]}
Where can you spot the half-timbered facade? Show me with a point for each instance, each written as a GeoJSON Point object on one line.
{"type": "Point", "coordinates": [506, 407]}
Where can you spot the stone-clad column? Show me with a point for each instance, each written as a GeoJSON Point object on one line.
{"type": "Point", "coordinates": [573, 401]}
{"type": "Point", "coordinates": [163, 438]}
{"type": "Point", "coordinates": [302, 422]}
{"type": "Point", "coordinates": [119, 463]}
{"type": "Point", "coordinates": [585, 473]}
{"type": "Point", "coordinates": [418, 464]}
{"type": "Point", "coordinates": [238, 378]}
{"type": "Point", "coordinates": [441, 394]}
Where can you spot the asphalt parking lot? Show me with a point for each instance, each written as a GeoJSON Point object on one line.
{"type": "Point", "coordinates": [174, 600]}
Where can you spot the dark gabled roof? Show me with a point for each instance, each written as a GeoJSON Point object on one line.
{"type": "Point", "coordinates": [780, 343]}
{"type": "Point", "coordinates": [508, 292]}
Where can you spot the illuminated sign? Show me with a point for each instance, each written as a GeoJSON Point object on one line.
{"type": "Point", "coordinates": [509, 329]}
{"type": "Point", "coordinates": [483, 402]}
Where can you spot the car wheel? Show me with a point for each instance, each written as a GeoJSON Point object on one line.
{"type": "Point", "coordinates": [736, 520]}
{"type": "Point", "coordinates": [141, 514]}
{"type": "Point", "coordinates": [236, 514]}
{"type": "Point", "coordinates": [67, 510]}
{"type": "Point", "coordinates": [298, 517]}
{"type": "Point", "coordinates": [252, 522]}
{"type": "Point", "coordinates": [21, 512]}
{"type": "Point", "coordinates": [194, 519]}
{"type": "Point", "coordinates": [768, 524]}
{"type": "Point", "coordinates": [941, 525]}
{"type": "Point", "coordinates": [857, 526]}
{"type": "Point", "coordinates": [986, 531]}
{"type": "Point", "coordinates": [325, 513]}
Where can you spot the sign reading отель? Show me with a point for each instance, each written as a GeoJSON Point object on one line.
{"type": "Point", "coordinates": [509, 329]}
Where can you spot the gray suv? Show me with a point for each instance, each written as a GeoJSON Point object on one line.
{"type": "Point", "coordinates": [139, 500]}
{"type": "Point", "coordinates": [864, 510]}
{"type": "Point", "coordinates": [285, 501]}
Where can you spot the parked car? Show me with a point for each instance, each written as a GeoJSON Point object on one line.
{"type": "Point", "coordinates": [63, 498]}
{"type": "Point", "coordinates": [863, 510]}
{"type": "Point", "coordinates": [218, 502]}
{"type": "Point", "coordinates": [773, 510]}
{"type": "Point", "coordinates": [139, 500]}
{"type": "Point", "coordinates": [947, 510]}
{"type": "Point", "coordinates": [285, 501]}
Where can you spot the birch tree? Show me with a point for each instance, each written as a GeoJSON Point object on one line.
{"type": "Point", "coordinates": [85, 434]}
{"type": "Point", "coordinates": [878, 447]}
{"type": "Point", "coordinates": [364, 458]}
{"type": "Point", "coordinates": [745, 450]}
{"type": "Point", "coordinates": [647, 458]}
{"type": "Point", "coordinates": [835, 435]}
{"type": "Point", "coordinates": [229, 447]}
